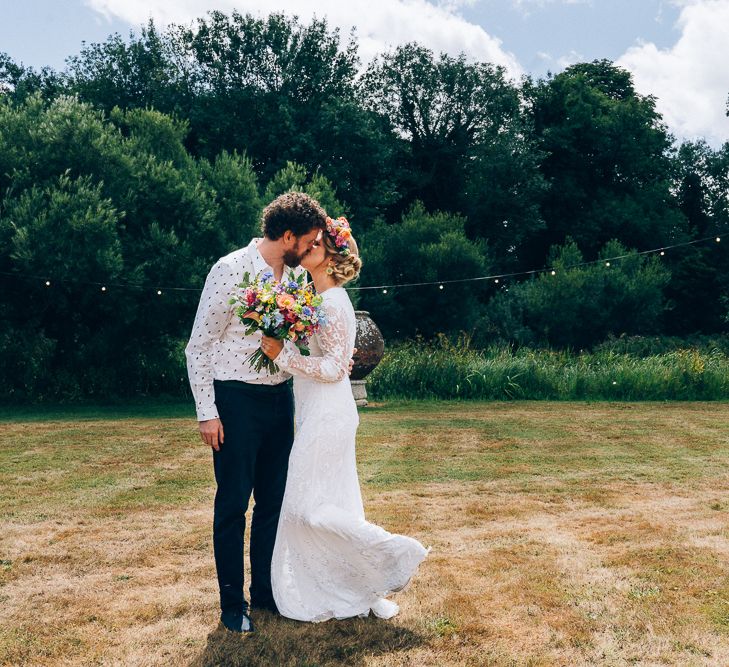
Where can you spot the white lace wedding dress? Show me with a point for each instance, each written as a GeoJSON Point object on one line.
{"type": "Point", "coordinates": [328, 561]}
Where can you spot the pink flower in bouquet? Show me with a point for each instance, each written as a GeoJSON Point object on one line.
{"type": "Point", "coordinates": [285, 300]}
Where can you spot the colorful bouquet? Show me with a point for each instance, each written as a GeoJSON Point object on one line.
{"type": "Point", "coordinates": [286, 309]}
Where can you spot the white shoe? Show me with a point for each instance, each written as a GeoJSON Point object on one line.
{"type": "Point", "coordinates": [385, 608]}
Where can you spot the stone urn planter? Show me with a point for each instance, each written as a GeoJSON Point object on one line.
{"type": "Point", "coordinates": [370, 347]}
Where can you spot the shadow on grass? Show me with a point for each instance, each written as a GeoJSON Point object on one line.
{"type": "Point", "coordinates": [286, 643]}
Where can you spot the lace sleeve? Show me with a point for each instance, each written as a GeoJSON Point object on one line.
{"type": "Point", "coordinates": [334, 338]}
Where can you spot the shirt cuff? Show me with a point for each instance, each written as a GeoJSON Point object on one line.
{"type": "Point", "coordinates": [207, 412]}
{"type": "Point", "coordinates": [204, 396]}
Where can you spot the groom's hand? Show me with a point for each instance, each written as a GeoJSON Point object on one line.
{"type": "Point", "coordinates": [211, 431]}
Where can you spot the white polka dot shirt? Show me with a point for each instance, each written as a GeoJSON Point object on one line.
{"type": "Point", "coordinates": [218, 347]}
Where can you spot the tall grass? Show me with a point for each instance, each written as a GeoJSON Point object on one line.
{"type": "Point", "coordinates": [448, 370]}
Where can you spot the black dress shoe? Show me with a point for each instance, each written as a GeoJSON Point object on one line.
{"type": "Point", "coordinates": [236, 622]}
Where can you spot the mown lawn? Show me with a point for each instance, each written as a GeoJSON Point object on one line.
{"type": "Point", "coordinates": [562, 534]}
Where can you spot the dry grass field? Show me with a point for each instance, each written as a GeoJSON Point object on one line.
{"type": "Point", "coordinates": [562, 534]}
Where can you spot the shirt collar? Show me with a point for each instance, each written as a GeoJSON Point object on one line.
{"type": "Point", "coordinates": [259, 264]}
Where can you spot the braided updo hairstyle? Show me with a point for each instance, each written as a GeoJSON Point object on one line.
{"type": "Point", "coordinates": [345, 267]}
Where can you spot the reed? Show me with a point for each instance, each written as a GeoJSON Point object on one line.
{"type": "Point", "coordinates": [454, 370]}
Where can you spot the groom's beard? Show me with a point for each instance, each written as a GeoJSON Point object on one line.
{"type": "Point", "coordinates": [292, 258]}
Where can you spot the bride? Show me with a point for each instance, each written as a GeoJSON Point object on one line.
{"type": "Point", "coordinates": [328, 561]}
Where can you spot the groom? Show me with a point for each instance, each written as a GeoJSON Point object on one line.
{"type": "Point", "coordinates": [244, 415]}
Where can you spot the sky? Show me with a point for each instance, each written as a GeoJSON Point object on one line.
{"type": "Point", "coordinates": [677, 50]}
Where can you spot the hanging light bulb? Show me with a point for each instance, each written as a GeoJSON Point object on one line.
{"type": "Point", "coordinates": [440, 287]}
{"type": "Point", "coordinates": [48, 283]}
{"type": "Point", "coordinates": [103, 289]}
{"type": "Point", "coordinates": [384, 291]}
{"type": "Point", "coordinates": [159, 292]}
{"type": "Point", "coordinates": [496, 281]}
{"type": "Point", "coordinates": [554, 273]}
{"type": "Point", "coordinates": [718, 239]}
{"type": "Point", "coordinates": [607, 263]}
{"type": "Point", "coordinates": [662, 253]}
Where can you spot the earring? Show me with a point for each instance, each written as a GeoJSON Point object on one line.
{"type": "Point", "coordinates": [330, 270]}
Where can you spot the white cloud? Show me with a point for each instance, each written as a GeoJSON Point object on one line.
{"type": "Point", "coordinates": [562, 62]}
{"type": "Point", "coordinates": [381, 24]}
{"type": "Point", "coordinates": [544, 3]}
{"type": "Point", "coordinates": [690, 79]}
{"type": "Point", "coordinates": [527, 6]}
{"type": "Point", "coordinates": [453, 5]}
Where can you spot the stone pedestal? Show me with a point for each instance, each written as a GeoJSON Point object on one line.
{"type": "Point", "coordinates": [359, 391]}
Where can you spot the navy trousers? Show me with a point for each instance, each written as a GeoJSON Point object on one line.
{"type": "Point", "coordinates": [258, 425]}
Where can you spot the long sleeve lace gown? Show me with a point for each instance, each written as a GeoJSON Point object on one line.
{"type": "Point", "coordinates": [328, 561]}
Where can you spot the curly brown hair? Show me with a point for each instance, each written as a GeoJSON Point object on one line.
{"type": "Point", "coordinates": [295, 211]}
{"type": "Point", "coordinates": [345, 267]}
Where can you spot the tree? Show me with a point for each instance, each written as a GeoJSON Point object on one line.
{"type": "Point", "coordinates": [504, 188]}
{"type": "Point", "coordinates": [464, 145]}
{"type": "Point", "coordinates": [232, 180]}
{"type": "Point", "coordinates": [700, 273]}
{"type": "Point", "coordinates": [270, 88]}
{"type": "Point", "coordinates": [607, 160]}
{"type": "Point", "coordinates": [145, 70]}
{"type": "Point", "coordinates": [18, 82]}
{"type": "Point", "coordinates": [579, 306]}
{"type": "Point", "coordinates": [294, 177]}
{"type": "Point", "coordinates": [422, 247]}
{"type": "Point", "coordinates": [92, 201]}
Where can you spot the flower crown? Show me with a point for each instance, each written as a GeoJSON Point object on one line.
{"type": "Point", "coordinates": [341, 232]}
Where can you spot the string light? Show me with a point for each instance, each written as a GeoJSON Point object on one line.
{"type": "Point", "coordinates": [441, 284]}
